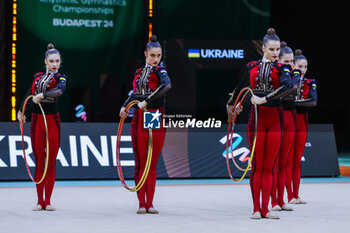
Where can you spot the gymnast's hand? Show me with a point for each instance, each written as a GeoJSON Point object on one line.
{"type": "Point", "coordinates": [123, 114]}
{"type": "Point", "coordinates": [258, 100]}
{"type": "Point", "coordinates": [142, 105]}
{"type": "Point", "coordinates": [38, 97]}
{"type": "Point", "coordinates": [229, 109]}
{"type": "Point", "coordinates": [231, 114]}
{"type": "Point", "coordinates": [238, 109]}
{"type": "Point", "coordinates": [20, 118]}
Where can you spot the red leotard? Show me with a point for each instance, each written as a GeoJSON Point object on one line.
{"type": "Point", "coordinates": [306, 97]}
{"type": "Point", "coordinates": [150, 83]}
{"type": "Point", "coordinates": [52, 87]}
{"type": "Point", "coordinates": [288, 136]}
{"type": "Point", "coordinates": [272, 81]}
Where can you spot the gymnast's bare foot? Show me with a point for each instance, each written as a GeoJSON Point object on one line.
{"type": "Point", "coordinates": [141, 210]}
{"type": "Point", "coordinates": [37, 208]}
{"type": "Point", "coordinates": [152, 210]}
{"type": "Point", "coordinates": [50, 208]}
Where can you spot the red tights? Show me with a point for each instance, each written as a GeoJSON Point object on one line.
{"type": "Point", "coordinates": [267, 147]}
{"type": "Point", "coordinates": [279, 174]}
{"type": "Point", "coordinates": [139, 137]}
{"type": "Point", "coordinates": [38, 137]}
{"type": "Point", "coordinates": [294, 161]}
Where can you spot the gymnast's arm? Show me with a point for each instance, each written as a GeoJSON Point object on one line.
{"type": "Point", "coordinates": [312, 100]}
{"type": "Point", "coordinates": [61, 87]}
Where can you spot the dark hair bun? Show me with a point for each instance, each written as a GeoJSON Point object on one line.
{"type": "Point", "coordinates": [283, 44]}
{"type": "Point", "coordinates": [298, 52]}
{"type": "Point", "coordinates": [271, 31]}
{"type": "Point", "coordinates": [50, 46]}
{"type": "Point", "coordinates": [153, 38]}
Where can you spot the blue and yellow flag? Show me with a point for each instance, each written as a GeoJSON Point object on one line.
{"type": "Point", "coordinates": [193, 53]}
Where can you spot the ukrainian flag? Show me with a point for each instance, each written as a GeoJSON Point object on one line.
{"type": "Point", "coordinates": [193, 53]}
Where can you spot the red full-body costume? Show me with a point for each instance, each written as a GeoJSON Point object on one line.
{"type": "Point", "coordinates": [306, 97]}
{"type": "Point", "coordinates": [52, 85]}
{"type": "Point", "coordinates": [150, 84]}
{"type": "Point", "coordinates": [271, 80]}
{"type": "Point", "coordinates": [288, 136]}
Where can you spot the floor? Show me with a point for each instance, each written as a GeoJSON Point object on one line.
{"type": "Point", "coordinates": [211, 205]}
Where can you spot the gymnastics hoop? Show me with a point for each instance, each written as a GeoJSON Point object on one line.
{"type": "Point", "coordinates": [47, 142]}
{"type": "Point", "coordinates": [230, 130]}
{"type": "Point", "coordinates": [142, 181]}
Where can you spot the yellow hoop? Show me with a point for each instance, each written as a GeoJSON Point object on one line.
{"type": "Point", "coordinates": [247, 89]}
{"type": "Point", "coordinates": [144, 176]}
{"type": "Point", "coordinates": [47, 142]}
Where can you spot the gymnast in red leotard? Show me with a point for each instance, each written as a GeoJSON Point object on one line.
{"type": "Point", "coordinates": [306, 97]}
{"type": "Point", "coordinates": [46, 88]}
{"type": "Point", "coordinates": [269, 81]}
{"type": "Point", "coordinates": [150, 84]}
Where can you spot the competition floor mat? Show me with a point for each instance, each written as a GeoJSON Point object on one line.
{"type": "Point", "coordinates": [210, 205]}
